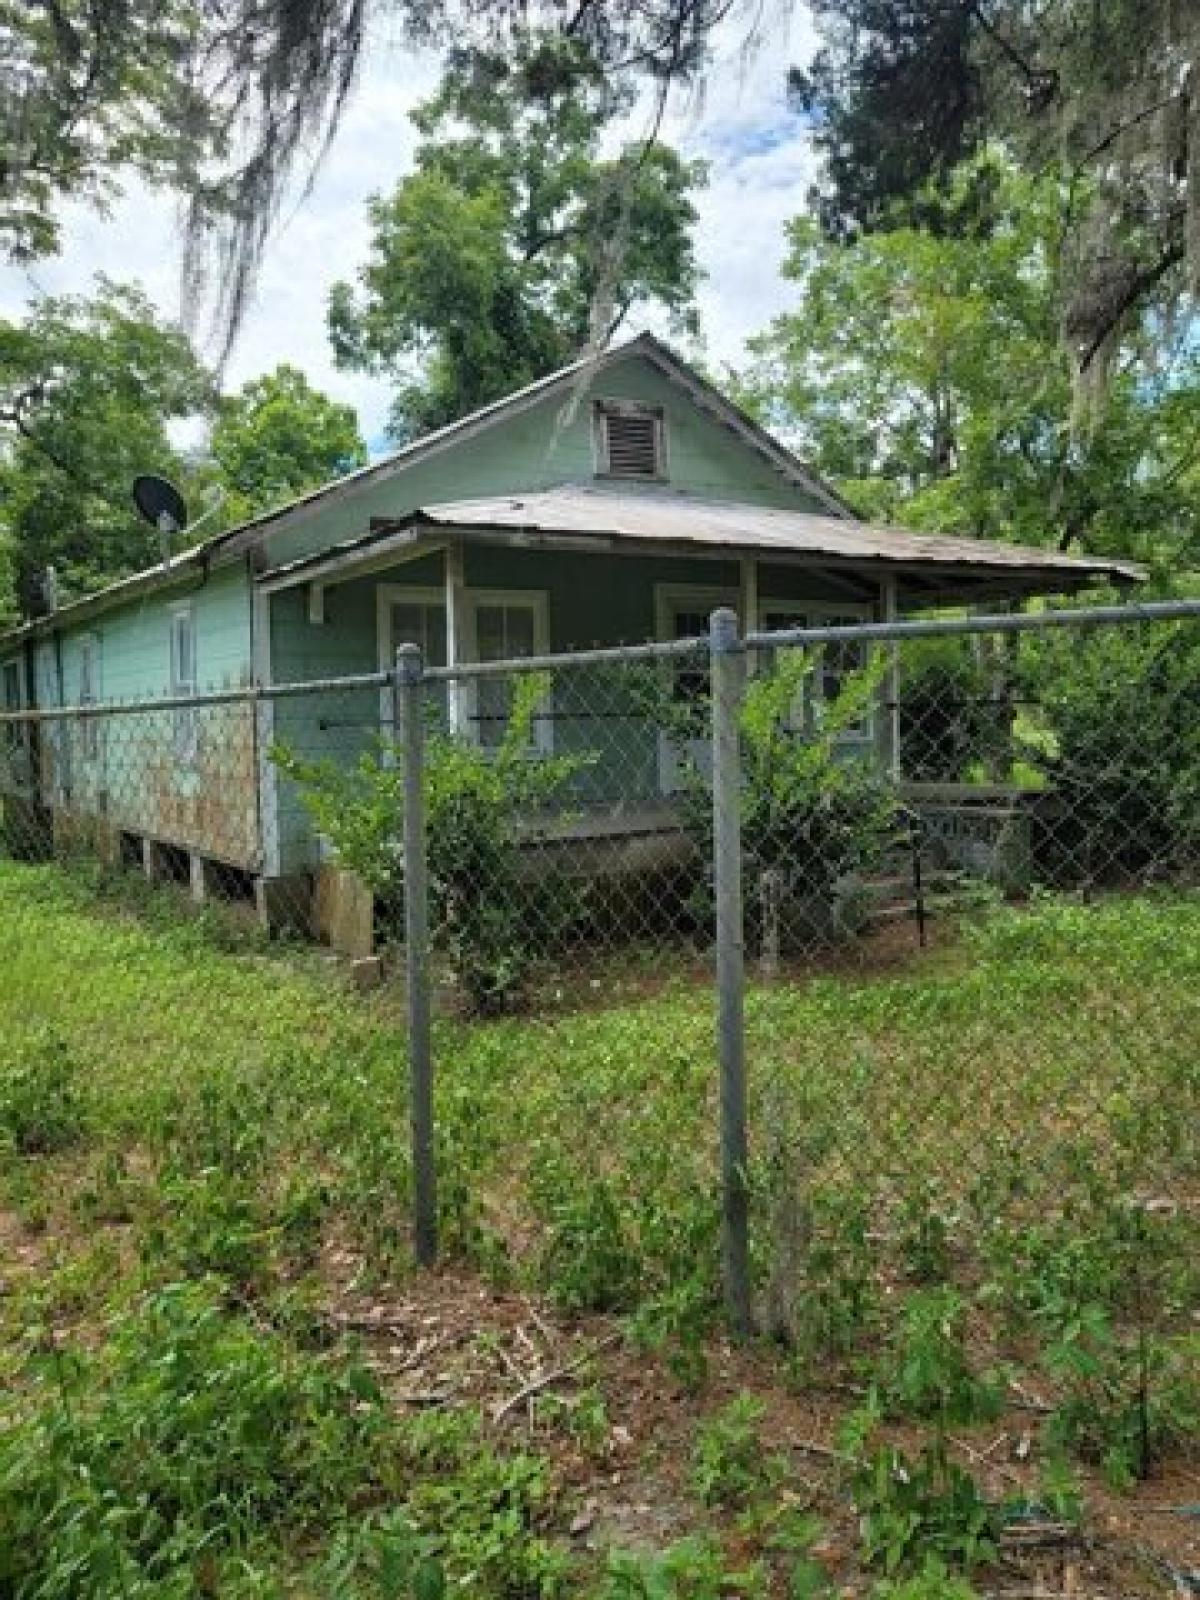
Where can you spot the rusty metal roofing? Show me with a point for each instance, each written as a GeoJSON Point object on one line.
{"type": "Point", "coordinates": [680, 519]}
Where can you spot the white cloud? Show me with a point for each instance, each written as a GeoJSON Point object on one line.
{"type": "Point", "coordinates": [760, 167]}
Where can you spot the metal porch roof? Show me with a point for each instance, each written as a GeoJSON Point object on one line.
{"type": "Point", "coordinates": [651, 518]}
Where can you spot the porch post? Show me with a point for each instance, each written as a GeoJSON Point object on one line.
{"type": "Point", "coordinates": [456, 633]}
{"type": "Point", "coordinates": [891, 611]}
{"type": "Point", "coordinates": [748, 605]}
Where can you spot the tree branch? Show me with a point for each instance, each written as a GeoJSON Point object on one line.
{"type": "Point", "coordinates": [1138, 286]}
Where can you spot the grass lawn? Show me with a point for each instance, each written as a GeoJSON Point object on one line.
{"type": "Point", "coordinates": [977, 1247]}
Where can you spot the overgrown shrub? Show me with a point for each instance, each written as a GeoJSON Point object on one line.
{"type": "Point", "coordinates": [1119, 743]}
{"type": "Point", "coordinates": [488, 914]}
{"type": "Point", "coordinates": [815, 811]}
{"type": "Point", "coordinates": [948, 718]}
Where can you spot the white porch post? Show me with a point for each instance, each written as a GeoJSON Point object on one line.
{"type": "Point", "coordinates": [891, 611]}
{"type": "Point", "coordinates": [748, 604]}
{"type": "Point", "coordinates": [456, 633]}
{"type": "Point", "coordinates": [749, 594]}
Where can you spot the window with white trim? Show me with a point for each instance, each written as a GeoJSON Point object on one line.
{"type": "Point", "coordinates": [183, 680]}
{"type": "Point", "coordinates": [506, 626]}
{"type": "Point", "coordinates": [631, 440]}
{"type": "Point", "coordinates": [89, 695]}
{"type": "Point", "coordinates": [682, 611]}
{"type": "Point", "coordinates": [839, 658]}
{"type": "Point", "coordinates": [10, 700]}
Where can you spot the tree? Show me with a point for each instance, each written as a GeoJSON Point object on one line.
{"type": "Point", "coordinates": [278, 437]}
{"type": "Point", "coordinates": [924, 373]}
{"type": "Point", "coordinates": [1108, 95]}
{"type": "Point", "coordinates": [223, 101]}
{"type": "Point", "coordinates": [513, 245]}
{"type": "Point", "coordinates": [87, 387]}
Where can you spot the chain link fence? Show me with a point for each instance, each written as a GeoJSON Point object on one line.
{"type": "Point", "coordinates": [948, 870]}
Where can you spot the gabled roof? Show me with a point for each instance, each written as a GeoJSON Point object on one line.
{"type": "Point", "coordinates": [233, 541]}
{"type": "Point", "coordinates": [935, 566]}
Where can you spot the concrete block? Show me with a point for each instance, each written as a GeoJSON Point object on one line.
{"type": "Point", "coordinates": [367, 973]}
{"type": "Point", "coordinates": [344, 912]}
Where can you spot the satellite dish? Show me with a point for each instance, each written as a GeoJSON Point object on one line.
{"type": "Point", "coordinates": [160, 502]}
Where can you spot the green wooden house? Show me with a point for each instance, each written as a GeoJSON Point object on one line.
{"type": "Point", "coordinates": [618, 500]}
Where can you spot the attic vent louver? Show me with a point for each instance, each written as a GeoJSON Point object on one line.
{"type": "Point", "coordinates": [629, 440]}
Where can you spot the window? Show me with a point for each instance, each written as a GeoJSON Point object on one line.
{"type": "Point", "coordinates": [506, 626]}
{"type": "Point", "coordinates": [630, 440]}
{"type": "Point", "coordinates": [411, 615]}
{"type": "Point", "coordinates": [839, 659]}
{"type": "Point", "coordinates": [423, 623]}
{"type": "Point", "coordinates": [10, 700]}
{"type": "Point", "coordinates": [682, 612]}
{"type": "Point", "coordinates": [183, 681]}
{"type": "Point", "coordinates": [89, 695]}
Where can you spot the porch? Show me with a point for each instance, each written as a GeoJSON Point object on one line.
{"type": "Point", "coordinates": [584, 568]}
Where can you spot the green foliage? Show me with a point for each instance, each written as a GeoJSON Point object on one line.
{"type": "Point", "coordinates": [490, 920]}
{"type": "Point", "coordinates": [484, 1508]}
{"type": "Point", "coordinates": [815, 811]}
{"type": "Point", "coordinates": [1125, 1399]}
{"type": "Point", "coordinates": [815, 814]}
{"type": "Point", "coordinates": [102, 93]}
{"type": "Point", "coordinates": [590, 1260]}
{"type": "Point", "coordinates": [927, 1373]}
{"type": "Point", "coordinates": [914, 1510]}
{"type": "Point", "coordinates": [87, 387]}
{"type": "Point", "coordinates": [186, 1441]}
{"type": "Point", "coordinates": [514, 243]}
{"type": "Point", "coordinates": [241, 1108]}
{"type": "Point", "coordinates": [923, 371]}
{"type": "Point", "coordinates": [693, 1569]}
{"type": "Point", "coordinates": [945, 725]}
{"type": "Point", "coordinates": [278, 437]}
{"type": "Point", "coordinates": [729, 1467]}
{"type": "Point", "coordinates": [900, 94]}
{"type": "Point", "coordinates": [934, 1581]}
{"type": "Point", "coordinates": [41, 1105]}
{"type": "Point", "coordinates": [1120, 746]}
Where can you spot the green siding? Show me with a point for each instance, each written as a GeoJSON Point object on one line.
{"type": "Point", "coordinates": [547, 444]}
{"type": "Point", "coordinates": [130, 770]}
{"type": "Point", "coordinates": [592, 600]}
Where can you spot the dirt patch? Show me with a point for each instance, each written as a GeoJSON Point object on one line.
{"type": "Point", "coordinates": [620, 1431]}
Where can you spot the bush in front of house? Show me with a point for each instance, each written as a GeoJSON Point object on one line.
{"type": "Point", "coordinates": [1117, 740]}
{"type": "Point", "coordinates": [816, 812]}
{"type": "Point", "coordinates": [489, 912]}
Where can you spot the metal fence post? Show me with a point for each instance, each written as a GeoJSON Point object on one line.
{"type": "Point", "coordinates": [410, 736]}
{"type": "Point", "coordinates": [727, 663]}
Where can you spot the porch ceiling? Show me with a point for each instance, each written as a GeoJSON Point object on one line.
{"type": "Point", "coordinates": [928, 567]}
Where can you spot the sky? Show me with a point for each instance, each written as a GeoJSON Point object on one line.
{"type": "Point", "coordinates": [761, 165]}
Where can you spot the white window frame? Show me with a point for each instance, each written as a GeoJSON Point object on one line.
{"type": "Point", "coordinates": [388, 595]}
{"type": "Point", "coordinates": [91, 668]}
{"type": "Point", "coordinates": [12, 739]}
{"type": "Point", "coordinates": [604, 406]}
{"type": "Point", "coordinates": [817, 614]}
{"type": "Point", "coordinates": [536, 601]}
{"type": "Point", "coordinates": [669, 600]}
{"type": "Point", "coordinates": [187, 731]}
